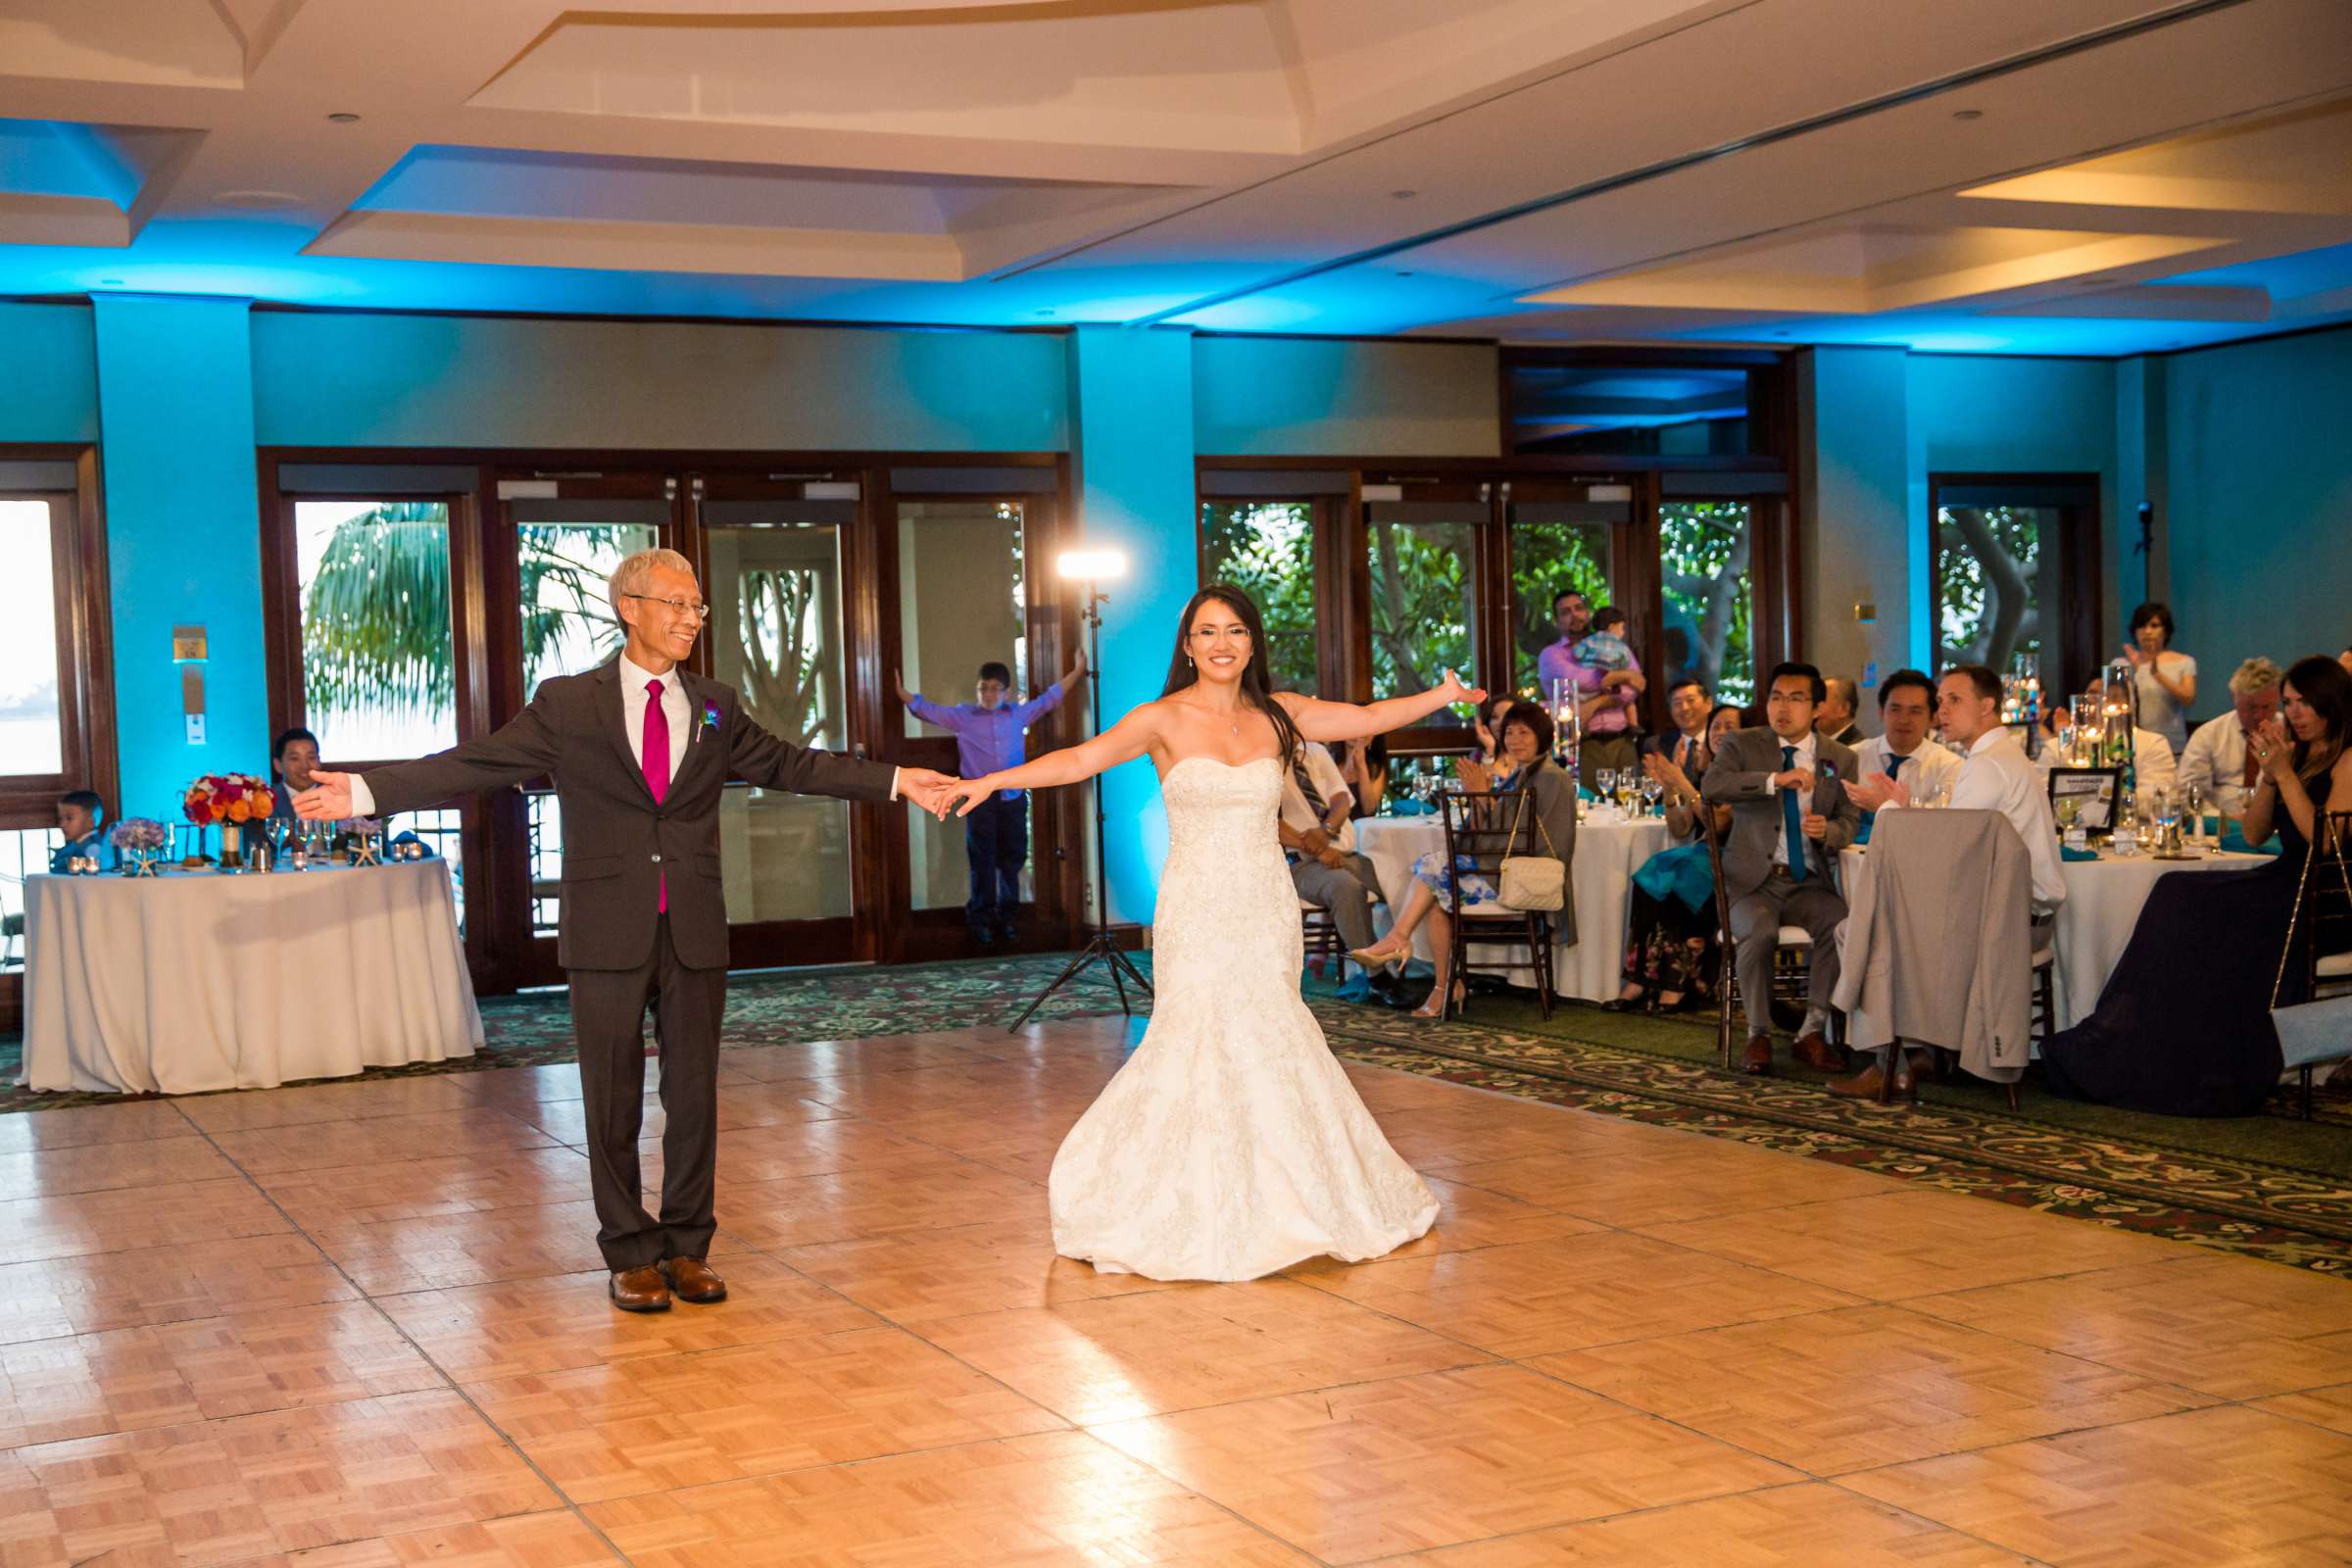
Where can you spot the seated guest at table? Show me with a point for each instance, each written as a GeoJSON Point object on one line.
{"type": "Point", "coordinates": [1790, 815]}
{"type": "Point", "coordinates": [1670, 950]}
{"type": "Point", "coordinates": [1486, 722]}
{"type": "Point", "coordinates": [2218, 762]}
{"type": "Point", "coordinates": [1318, 838]}
{"type": "Point", "coordinates": [1687, 747]}
{"type": "Point", "coordinates": [1906, 712]}
{"type": "Point", "coordinates": [2346, 658]}
{"type": "Point", "coordinates": [1996, 777]}
{"type": "Point", "coordinates": [1837, 717]}
{"type": "Point", "coordinates": [1364, 764]}
{"type": "Point", "coordinates": [2183, 1026]}
{"type": "Point", "coordinates": [292, 761]}
{"type": "Point", "coordinates": [81, 817]}
{"type": "Point", "coordinates": [1605, 697]}
{"type": "Point", "coordinates": [1551, 828]}
{"type": "Point", "coordinates": [2154, 764]}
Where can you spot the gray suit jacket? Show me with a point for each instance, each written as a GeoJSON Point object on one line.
{"type": "Point", "coordinates": [620, 847]}
{"type": "Point", "coordinates": [1737, 778]}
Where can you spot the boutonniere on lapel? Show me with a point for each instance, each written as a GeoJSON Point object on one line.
{"type": "Point", "coordinates": [1829, 770]}
{"type": "Point", "coordinates": [710, 719]}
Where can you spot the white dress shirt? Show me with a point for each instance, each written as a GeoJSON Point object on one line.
{"type": "Point", "coordinates": [1805, 798]}
{"type": "Point", "coordinates": [1999, 777]}
{"type": "Point", "coordinates": [1925, 770]}
{"type": "Point", "coordinates": [1330, 783]}
{"type": "Point", "coordinates": [2154, 766]}
{"type": "Point", "coordinates": [2215, 763]}
{"type": "Point", "coordinates": [634, 697]}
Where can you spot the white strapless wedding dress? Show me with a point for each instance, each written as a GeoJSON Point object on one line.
{"type": "Point", "coordinates": [1231, 1144]}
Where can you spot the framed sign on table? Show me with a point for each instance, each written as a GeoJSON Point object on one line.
{"type": "Point", "coordinates": [2084, 797]}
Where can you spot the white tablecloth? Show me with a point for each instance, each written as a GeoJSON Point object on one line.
{"type": "Point", "coordinates": [194, 981]}
{"type": "Point", "coordinates": [2103, 899]}
{"type": "Point", "coordinates": [1600, 880]}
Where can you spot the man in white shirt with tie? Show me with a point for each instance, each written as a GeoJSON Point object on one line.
{"type": "Point", "coordinates": [1903, 754]}
{"type": "Point", "coordinates": [1996, 777]}
{"type": "Point", "coordinates": [2217, 759]}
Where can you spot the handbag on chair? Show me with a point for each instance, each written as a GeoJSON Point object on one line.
{"type": "Point", "coordinates": [1532, 882]}
{"type": "Point", "coordinates": [2320, 1030]}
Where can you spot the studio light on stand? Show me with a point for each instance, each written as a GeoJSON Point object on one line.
{"type": "Point", "coordinates": [1092, 568]}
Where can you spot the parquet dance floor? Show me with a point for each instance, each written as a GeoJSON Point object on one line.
{"type": "Point", "coordinates": [364, 1325]}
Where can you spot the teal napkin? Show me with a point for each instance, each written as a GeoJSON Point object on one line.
{"type": "Point", "coordinates": [2233, 840]}
{"type": "Point", "coordinates": [2067, 851]}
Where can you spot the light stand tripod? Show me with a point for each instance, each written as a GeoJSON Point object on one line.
{"type": "Point", "coordinates": [1098, 946]}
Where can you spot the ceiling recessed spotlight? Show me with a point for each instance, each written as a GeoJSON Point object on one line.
{"type": "Point", "coordinates": [1402, 195]}
{"type": "Point", "coordinates": [1968, 114]}
{"type": "Point", "coordinates": [344, 118]}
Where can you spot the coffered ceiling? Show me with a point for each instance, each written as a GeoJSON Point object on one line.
{"type": "Point", "coordinates": [2064, 175]}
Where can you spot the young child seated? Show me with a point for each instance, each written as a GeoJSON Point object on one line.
{"type": "Point", "coordinates": [79, 814]}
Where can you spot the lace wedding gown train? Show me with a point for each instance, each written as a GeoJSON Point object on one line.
{"type": "Point", "coordinates": [1231, 1144]}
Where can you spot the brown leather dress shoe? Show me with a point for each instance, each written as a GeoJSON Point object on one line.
{"type": "Point", "coordinates": [640, 1290]}
{"type": "Point", "coordinates": [1867, 1084]}
{"type": "Point", "coordinates": [1759, 1054]}
{"type": "Point", "coordinates": [1818, 1054]}
{"type": "Point", "coordinates": [694, 1280]}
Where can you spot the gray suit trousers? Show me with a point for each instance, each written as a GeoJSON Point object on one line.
{"type": "Point", "coordinates": [1756, 921]}
{"type": "Point", "coordinates": [1348, 891]}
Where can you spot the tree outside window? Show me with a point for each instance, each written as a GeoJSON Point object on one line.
{"type": "Point", "coordinates": [1988, 578]}
{"type": "Point", "coordinates": [1267, 550]}
{"type": "Point", "coordinates": [1424, 604]}
{"type": "Point", "coordinates": [1547, 560]}
{"type": "Point", "coordinates": [1703, 549]}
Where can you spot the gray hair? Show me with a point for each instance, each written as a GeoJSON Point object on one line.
{"type": "Point", "coordinates": [2253, 675]}
{"type": "Point", "coordinates": [634, 570]}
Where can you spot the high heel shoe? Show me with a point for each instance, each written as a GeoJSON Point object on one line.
{"type": "Point", "coordinates": [1373, 961]}
{"type": "Point", "coordinates": [1640, 1004]}
{"type": "Point", "coordinates": [1423, 1011]}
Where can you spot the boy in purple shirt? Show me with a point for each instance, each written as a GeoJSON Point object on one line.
{"type": "Point", "coordinates": [988, 738]}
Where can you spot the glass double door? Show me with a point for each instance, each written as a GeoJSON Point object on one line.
{"type": "Point", "coordinates": [823, 596]}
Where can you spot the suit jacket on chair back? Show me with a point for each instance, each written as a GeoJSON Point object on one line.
{"type": "Point", "coordinates": [619, 844]}
{"type": "Point", "coordinates": [1743, 765]}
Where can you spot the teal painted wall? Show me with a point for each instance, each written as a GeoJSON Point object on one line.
{"type": "Point", "coordinates": [1301, 396]}
{"type": "Point", "coordinates": [176, 403]}
{"type": "Point", "coordinates": [1853, 507]}
{"type": "Point", "coordinates": [48, 373]}
{"type": "Point", "coordinates": [2258, 522]}
{"type": "Point", "coordinates": [1131, 401]}
{"type": "Point", "coordinates": [440, 381]}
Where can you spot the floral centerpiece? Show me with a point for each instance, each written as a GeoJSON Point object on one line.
{"type": "Point", "coordinates": [138, 840]}
{"type": "Point", "coordinates": [230, 800]}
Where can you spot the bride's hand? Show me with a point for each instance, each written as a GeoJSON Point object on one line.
{"type": "Point", "coordinates": [1451, 690]}
{"type": "Point", "coordinates": [964, 796]}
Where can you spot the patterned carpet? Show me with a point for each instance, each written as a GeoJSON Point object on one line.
{"type": "Point", "coordinates": [2185, 1180]}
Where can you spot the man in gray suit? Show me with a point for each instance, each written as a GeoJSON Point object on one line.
{"type": "Point", "coordinates": [640, 747]}
{"type": "Point", "coordinates": [1791, 817]}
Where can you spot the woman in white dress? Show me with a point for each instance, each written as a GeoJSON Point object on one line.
{"type": "Point", "coordinates": [1231, 1144]}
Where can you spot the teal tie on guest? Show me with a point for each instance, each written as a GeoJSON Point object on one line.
{"type": "Point", "coordinates": [1792, 820]}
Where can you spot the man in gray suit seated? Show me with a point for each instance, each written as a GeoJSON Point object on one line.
{"type": "Point", "coordinates": [1791, 817]}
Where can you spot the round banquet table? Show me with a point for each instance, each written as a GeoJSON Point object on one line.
{"type": "Point", "coordinates": [2103, 899]}
{"type": "Point", "coordinates": [1600, 881]}
{"type": "Point", "coordinates": [193, 981]}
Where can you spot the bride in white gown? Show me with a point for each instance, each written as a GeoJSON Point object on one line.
{"type": "Point", "coordinates": [1231, 1144]}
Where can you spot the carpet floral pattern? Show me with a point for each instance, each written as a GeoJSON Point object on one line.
{"type": "Point", "coordinates": [2282, 1213]}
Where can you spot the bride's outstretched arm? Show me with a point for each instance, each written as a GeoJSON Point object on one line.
{"type": "Point", "coordinates": [1318, 720]}
{"type": "Point", "coordinates": [1130, 738]}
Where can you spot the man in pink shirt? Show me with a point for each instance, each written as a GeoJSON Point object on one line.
{"type": "Point", "coordinates": [1605, 699]}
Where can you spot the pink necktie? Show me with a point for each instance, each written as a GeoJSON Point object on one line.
{"type": "Point", "coordinates": [654, 758]}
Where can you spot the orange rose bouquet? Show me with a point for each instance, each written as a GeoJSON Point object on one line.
{"type": "Point", "coordinates": [230, 799]}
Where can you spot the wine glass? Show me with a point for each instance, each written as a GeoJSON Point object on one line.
{"type": "Point", "coordinates": [1605, 783]}
{"type": "Point", "coordinates": [1653, 790]}
{"type": "Point", "coordinates": [2193, 798]}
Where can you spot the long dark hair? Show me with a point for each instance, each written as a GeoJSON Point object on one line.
{"type": "Point", "coordinates": [2323, 684]}
{"type": "Point", "coordinates": [1257, 685]}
